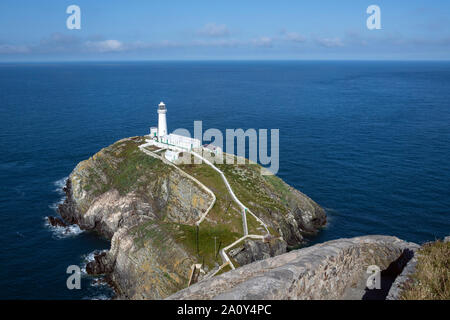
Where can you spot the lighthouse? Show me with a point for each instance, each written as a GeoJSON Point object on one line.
{"type": "Point", "coordinates": [162, 123]}
{"type": "Point", "coordinates": [161, 138]}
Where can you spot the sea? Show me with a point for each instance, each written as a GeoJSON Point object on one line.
{"type": "Point", "coordinates": [367, 140]}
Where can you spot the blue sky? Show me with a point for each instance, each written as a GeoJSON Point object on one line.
{"type": "Point", "coordinates": [218, 30]}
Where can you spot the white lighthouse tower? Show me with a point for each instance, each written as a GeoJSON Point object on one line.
{"type": "Point", "coordinates": [162, 123]}
{"type": "Point", "coordinates": [173, 143]}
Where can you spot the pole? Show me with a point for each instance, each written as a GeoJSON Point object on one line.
{"type": "Point", "coordinates": [218, 249]}
{"type": "Point", "coordinates": [197, 241]}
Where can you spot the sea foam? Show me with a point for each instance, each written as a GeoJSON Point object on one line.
{"type": "Point", "coordinates": [60, 232]}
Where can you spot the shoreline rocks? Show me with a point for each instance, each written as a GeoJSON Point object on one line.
{"type": "Point", "coordinates": [100, 265]}
{"type": "Point", "coordinates": [56, 222]}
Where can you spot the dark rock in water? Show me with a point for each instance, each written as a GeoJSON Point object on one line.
{"type": "Point", "coordinates": [67, 209]}
{"type": "Point", "coordinates": [100, 265]}
{"type": "Point", "coordinates": [56, 222]}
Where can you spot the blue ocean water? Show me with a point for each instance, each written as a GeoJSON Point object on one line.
{"type": "Point", "coordinates": [369, 141]}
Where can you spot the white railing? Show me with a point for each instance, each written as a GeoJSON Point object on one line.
{"type": "Point", "coordinates": [226, 260]}
{"type": "Point", "coordinates": [150, 153]}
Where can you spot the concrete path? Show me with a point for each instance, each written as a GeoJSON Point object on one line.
{"type": "Point", "coordinates": [226, 260]}
{"type": "Point", "coordinates": [150, 153]}
{"type": "Point", "coordinates": [235, 198]}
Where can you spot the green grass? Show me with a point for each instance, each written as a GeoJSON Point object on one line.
{"type": "Point", "coordinates": [225, 210]}
{"type": "Point", "coordinates": [280, 187]}
{"type": "Point", "coordinates": [224, 269]}
{"type": "Point", "coordinates": [207, 232]}
{"type": "Point", "coordinates": [153, 231]}
{"type": "Point", "coordinates": [254, 227]}
{"type": "Point", "coordinates": [125, 167]}
{"type": "Point", "coordinates": [250, 187]}
{"type": "Point", "coordinates": [159, 232]}
{"type": "Point", "coordinates": [254, 191]}
{"type": "Point", "coordinates": [431, 279]}
{"type": "Point", "coordinates": [187, 236]}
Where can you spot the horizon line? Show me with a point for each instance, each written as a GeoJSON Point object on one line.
{"type": "Point", "coordinates": [220, 60]}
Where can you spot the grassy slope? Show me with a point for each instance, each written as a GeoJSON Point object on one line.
{"type": "Point", "coordinates": [223, 221]}
{"type": "Point", "coordinates": [128, 169]}
{"type": "Point", "coordinates": [431, 280]}
{"type": "Point", "coordinates": [125, 166]}
{"type": "Point", "coordinates": [261, 194]}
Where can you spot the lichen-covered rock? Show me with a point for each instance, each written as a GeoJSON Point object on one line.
{"type": "Point", "coordinates": [252, 251]}
{"type": "Point", "coordinates": [322, 271]}
{"type": "Point", "coordinates": [149, 210]}
{"type": "Point", "coordinates": [397, 287]}
{"type": "Point", "coordinates": [151, 269]}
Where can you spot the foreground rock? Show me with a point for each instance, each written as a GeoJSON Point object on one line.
{"type": "Point", "coordinates": [56, 222]}
{"type": "Point", "coordinates": [149, 209]}
{"type": "Point", "coordinates": [325, 271]}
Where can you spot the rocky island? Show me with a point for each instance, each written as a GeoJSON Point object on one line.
{"type": "Point", "coordinates": [151, 210]}
{"type": "Point", "coordinates": [177, 232]}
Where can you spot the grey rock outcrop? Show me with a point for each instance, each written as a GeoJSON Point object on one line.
{"type": "Point", "coordinates": [397, 287]}
{"type": "Point", "coordinates": [322, 271]}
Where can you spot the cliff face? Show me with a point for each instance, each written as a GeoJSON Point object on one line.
{"type": "Point", "coordinates": [149, 209]}
{"type": "Point", "coordinates": [331, 270]}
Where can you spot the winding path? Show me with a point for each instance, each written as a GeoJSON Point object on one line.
{"type": "Point", "coordinates": [153, 154]}
{"type": "Point", "coordinates": [226, 260]}
{"type": "Point", "coordinates": [235, 198]}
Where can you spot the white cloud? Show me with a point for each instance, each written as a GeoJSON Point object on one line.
{"type": "Point", "coordinates": [217, 43]}
{"type": "Point", "coordinates": [330, 42]}
{"type": "Point", "coordinates": [293, 36]}
{"type": "Point", "coordinates": [215, 30]}
{"type": "Point", "coordinates": [263, 42]}
{"type": "Point", "coordinates": [105, 46]}
{"type": "Point", "coordinates": [59, 39]}
{"type": "Point", "coordinates": [12, 49]}
{"type": "Point", "coordinates": [68, 44]}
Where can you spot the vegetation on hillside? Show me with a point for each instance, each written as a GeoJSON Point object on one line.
{"type": "Point", "coordinates": [431, 279]}
{"type": "Point", "coordinates": [123, 167]}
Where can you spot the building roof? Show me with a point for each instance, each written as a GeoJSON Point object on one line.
{"type": "Point", "coordinates": [170, 152]}
{"type": "Point", "coordinates": [182, 138]}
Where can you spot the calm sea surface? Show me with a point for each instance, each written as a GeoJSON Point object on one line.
{"type": "Point", "coordinates": [369, 141]}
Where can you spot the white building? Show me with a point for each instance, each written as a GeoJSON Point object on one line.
{"type": "Point", "coordinates": [154, 132]}
{"type": "Point", "coordinates": [213, 149]}
{"type": "Point", "coordinates": [183, 142]}
{"type": "Point", "coordinates": [160, 133]}
{"type": "Point", "coordinates": [171, 155]}
{"type": "Point", "coordinates": [162, 123]}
